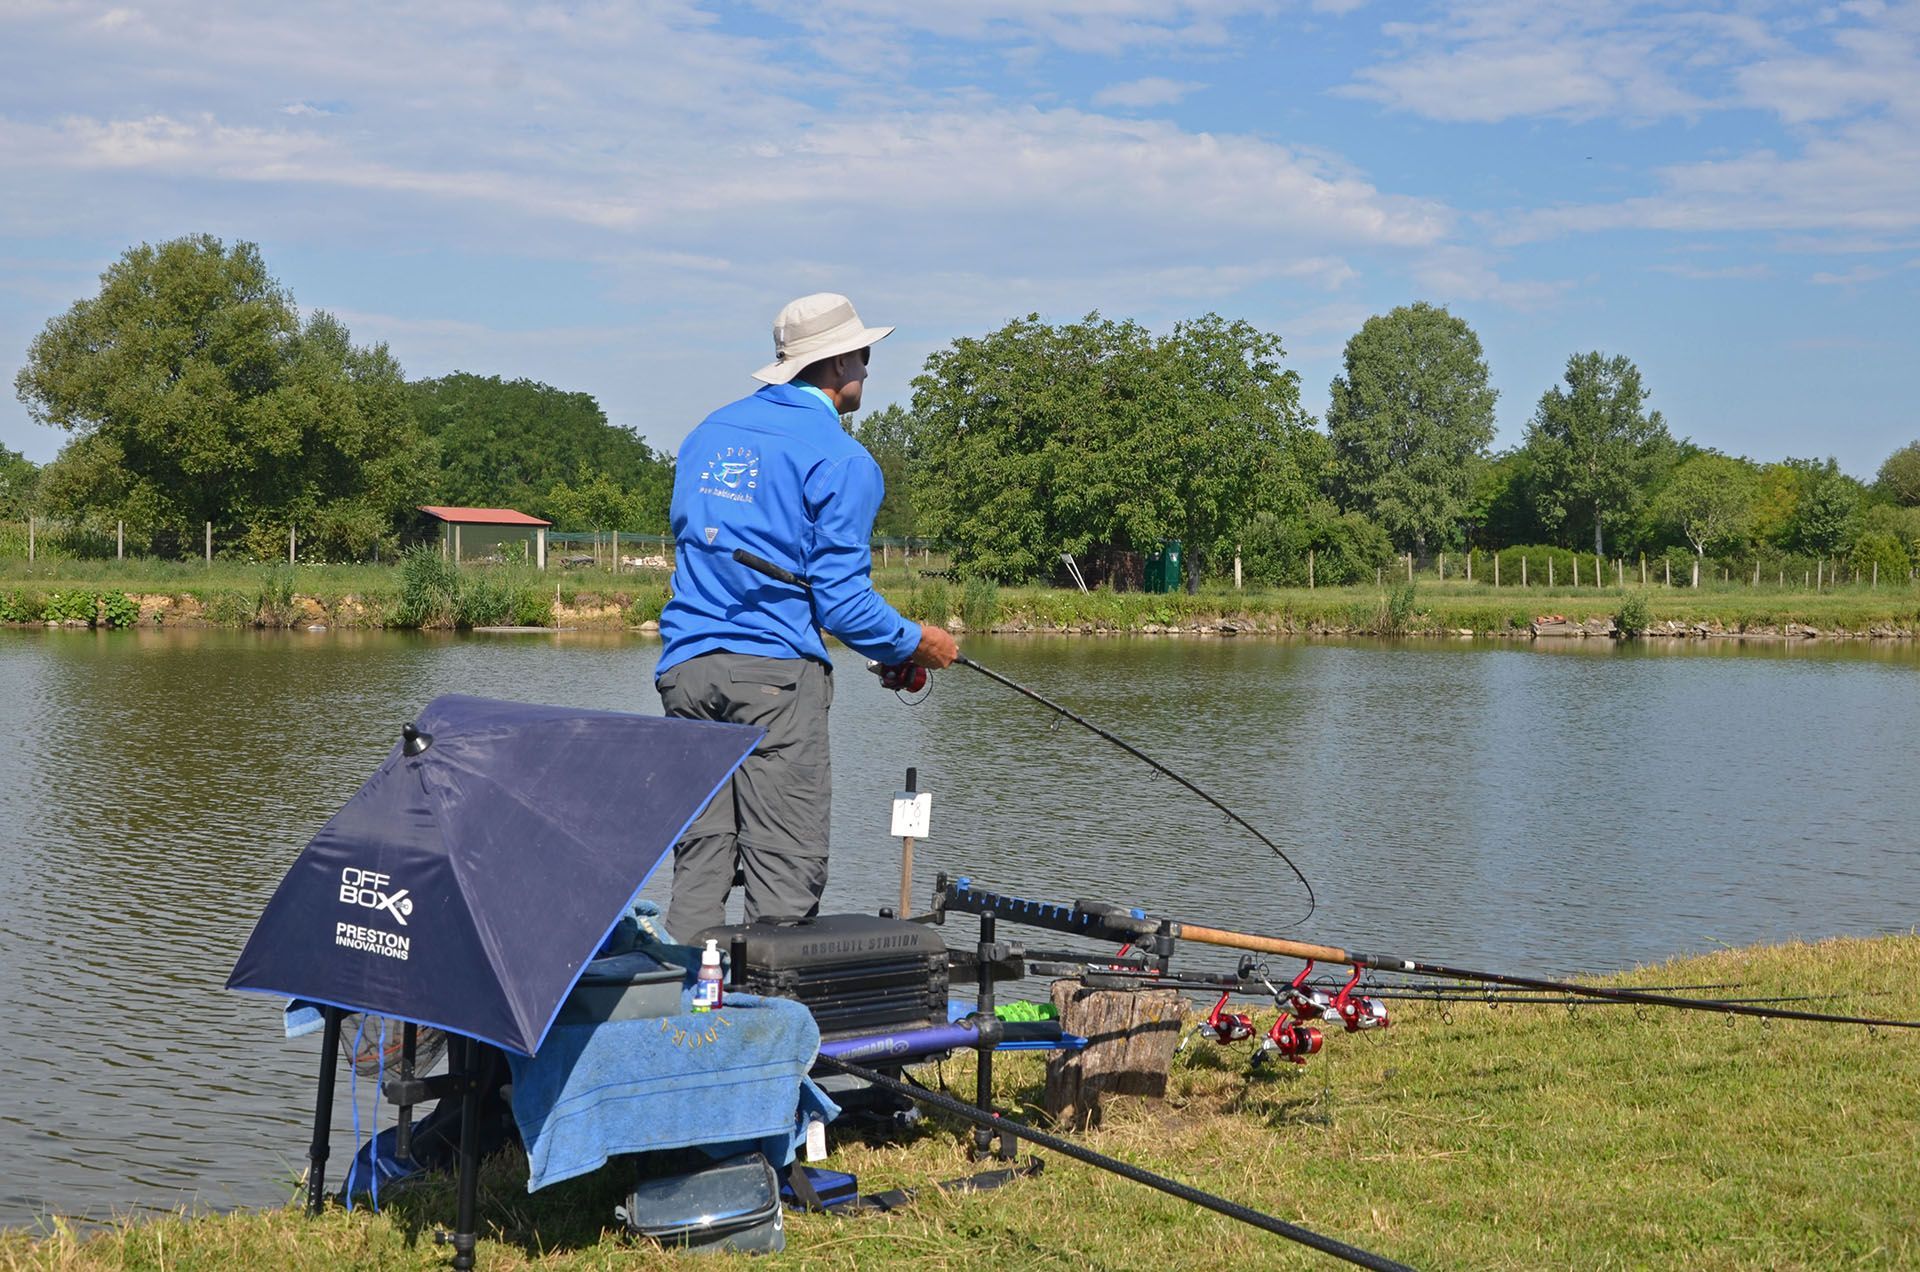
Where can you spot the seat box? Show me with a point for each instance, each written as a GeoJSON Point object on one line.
{"type": "Point", "coordinates": [857, 973]}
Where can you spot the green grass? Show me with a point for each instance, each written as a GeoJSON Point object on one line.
{"type": "Point", "coordinates": [238, 593]}
{"type": "Point", "coordinates": [1509, 1137]}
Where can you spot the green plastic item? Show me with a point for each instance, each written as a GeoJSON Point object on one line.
{"type": "Point", "coordinates": [1022, 1011]}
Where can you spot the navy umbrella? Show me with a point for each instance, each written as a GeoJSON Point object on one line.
{"type": "Point", "coordinates": [468, 882]}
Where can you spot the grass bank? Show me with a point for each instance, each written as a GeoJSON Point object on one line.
{"type": "Point", "coordinates": [1474, 1137]}
{"type": "Point", "coordinates": [427, 595]}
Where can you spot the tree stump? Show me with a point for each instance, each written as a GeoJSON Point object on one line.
{"type": "Point", "coordinates": [1130, 1033]}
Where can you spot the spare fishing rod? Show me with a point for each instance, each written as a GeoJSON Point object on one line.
{"type": "Point", "coordinates": [1115, 916]}
{"type": "Point", "coordinates": [784, 575]}
{"type": "Point", "coordinates": [1000, 1124]}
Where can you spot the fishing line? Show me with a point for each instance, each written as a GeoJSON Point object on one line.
{"type": "Point", "coordinates": [780, 573]}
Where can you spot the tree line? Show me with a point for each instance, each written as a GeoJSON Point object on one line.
{"type": "Point", "coordinates": [1099, 439]}
{"type": "Point", "coordinates": [196, 393]}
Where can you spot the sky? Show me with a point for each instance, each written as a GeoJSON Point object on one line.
{"type": "Point", "coordinates": [617, 198]}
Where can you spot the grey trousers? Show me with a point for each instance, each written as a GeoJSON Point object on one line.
{"type": "Point", "coordinates": [770, 821]}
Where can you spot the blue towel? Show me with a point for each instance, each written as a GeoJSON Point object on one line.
{"type": "Point", "coordinates": [721, 1081]}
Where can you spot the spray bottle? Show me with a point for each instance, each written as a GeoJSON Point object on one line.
{"type": "Point", "coordinates": [706, 987]}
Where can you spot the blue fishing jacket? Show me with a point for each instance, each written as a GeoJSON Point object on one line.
{"type": "Point", "coordinates": [776, 474]}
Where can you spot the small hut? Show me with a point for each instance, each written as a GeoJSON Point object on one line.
{"type": "Point", "coordinates": [494, 535]}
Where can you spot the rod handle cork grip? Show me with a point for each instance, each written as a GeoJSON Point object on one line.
{"type": "Point", "coordinates": [768, 568]}
{"type": "Point", "coordinates": [1266, 944]}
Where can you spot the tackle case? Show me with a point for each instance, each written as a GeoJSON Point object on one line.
{"type": "Point", "coordinates": [732, 1205]}
{"type": "Point", "coordinates": [631, 986]}
{"type": "Point", "coordinates": [857, 973]}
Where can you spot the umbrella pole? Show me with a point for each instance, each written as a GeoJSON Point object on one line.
{"type": "Point", "coordinates": [464, 1239]}
{"type": "Point", "coordinates": [323, 1111]}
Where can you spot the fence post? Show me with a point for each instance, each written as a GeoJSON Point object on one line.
{"type": "Point", "coordinates": [456, 543]}
{"type": "Point", "coordinates": [30, 543]}
{"type": "Point", "coordinates": [1409, 567]}
{"type": "Point", "coordinates": [209, 543]}
{"type": "Point", "coordinates": [1876, 576]}
{"type": "Point", "coordinates": [119, 540]}
{"type": "Point", "coordinates": [1819, 565]}
{"type": "Point", "coordinates": [1376, 572]}
{"type": "Point", "coordinates": [1620, 573]}
{"type": "Point", "coordinates": [1576, 570]}
{"type": "Point", "coordinates": [1443, 567]}
{"type": "Point", "coordinates": [1236, 587]}
{"type": "Point", "coordinates": [1666, 568]}
{"type": "Point", "coordinates": [1756, 573]}
{"type": "Point", "coordinates": [1523, 571]}
{"type": "Point", "coordinates": [1549, 569]}
{"type": "Point", "coordinates": [1496, 571]}
{"type": "Point", "coordinates": [1643, 569]}
{"type": "Point", "coordinates": [292, 544]}
{"type": "Point", "coordinates": [1469, 565]}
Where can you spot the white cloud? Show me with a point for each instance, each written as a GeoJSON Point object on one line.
{"type": "Point", "coordinates": [1849, 278]}
{"type": "Point", "coordinates": [1713, 273]}
{"type": "Point", "coordinates": [1141, 94]}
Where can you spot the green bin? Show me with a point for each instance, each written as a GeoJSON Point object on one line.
{"type": "Point", "coordinates": [1162, 570]}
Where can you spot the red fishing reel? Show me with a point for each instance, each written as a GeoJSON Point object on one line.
{"type": "Point", "coordinates": [903, 677]}
{"type": "Point", "coordinates": [1291, 1041]}
{"type": "Point", "coordinates": [1358, 1012]}
{"type": "Point", "coordinates": [1227, 1026]}
{"type": "Point", "coordinates": [1307, 1002]}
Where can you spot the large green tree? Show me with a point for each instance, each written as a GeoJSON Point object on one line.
{"type": "Point", "coordinates": [196, 394]}
{"type": "Point", "coordinates": [1014, 432]}
{"type": "Point", "coordinates": [1709, 499]}
{"type": "Point", "coordinates": [1411, 418]}
{"type": "Point", "coordinates": [1595, 450]}
{"type": "Point", "coordinates": [509, 443]}
{"type": "Point", "coordinates": [1096, 437]}
{"type": "Point", "coordinates": [1899, 479]}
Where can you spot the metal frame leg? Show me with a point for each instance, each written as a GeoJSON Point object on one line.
{"type": "Point", "coordinates": [323, 1112]}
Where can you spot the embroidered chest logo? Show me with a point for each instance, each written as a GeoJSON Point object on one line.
{"type": "Point", "coordinates": [733, 474]}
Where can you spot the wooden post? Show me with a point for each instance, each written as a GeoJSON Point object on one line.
{"type": "Point", "coordinates": [119, 540]}
{"type": "Point", "coordinates": [292, 543]}
{"type": "Point", "coordinates": [1523, 571]}
{"type": "Point", "coordinates": [1409, 567]}
{"type": "Point", "coordinates": [616, 549]}
{"type": "Point", "coordinates": [1576, 569]}
{"type": "Point", "coordinates": [30, 538]}
{"type": "Point", "coordinates": [1131, 1038]}
{"type": "Point", "coordinates": [1818, 565]}
{"type": "Point", "coordinates": [1620, 573]}
{"type": "Point", "coordinates": [1549, 570]}
{"type": "Point", "coordinates": [1598, 575]}
{"type": "Point", "coordinates": [1496, 571]}
{"type": "Point", "coordinates": [1469, 565]}
{"type": "Point", "coordinates": [1756, 573]}
{"type": "Point", "coordinates": [1643, 569]}
{"type": "Point", "coordinates": [540, 538]}
{"type": "Point", "coordinates": [456, 543]}
{"type": "Point", "coordinates": [1236, 566]}
{"type": "Point", "coordinates": [1667, 567]}
{"type": "Point", "coordinates": [1376, 573]}
{"type": "Point", "coordinates": [209, 543]}
{"type": "Point", "coordinates": [1443, 567]}
{"type": "Point", "coordinates": [1876, 575]}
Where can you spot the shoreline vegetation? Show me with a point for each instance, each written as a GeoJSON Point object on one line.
{"type": "Point", "coordinates": [426, 593]}
{"type": "Point", "coordinates": [1463, 1136]}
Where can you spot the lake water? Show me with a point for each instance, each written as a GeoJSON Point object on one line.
{"type": "Point", "coordinates": [1520, 807]}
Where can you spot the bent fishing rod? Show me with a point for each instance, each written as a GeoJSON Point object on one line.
{"type": "Point", "coordinates": [1000, 1124]}
{"type": "Point", "coordinates": [782, 574]}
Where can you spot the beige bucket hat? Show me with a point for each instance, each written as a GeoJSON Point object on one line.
{"type": "Point", "coordinates": [815, 327]}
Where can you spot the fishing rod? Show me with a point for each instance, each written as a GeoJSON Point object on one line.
{"type": "Point", "coordinates": [997, 1122]}
{"type": "Point", "coordinates": [1115, 916]}
{"type": "Point", "coordinates": [784, 575]}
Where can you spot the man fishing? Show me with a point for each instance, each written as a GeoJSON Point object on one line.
{"type": "Point", "coordinates": [776, 474]}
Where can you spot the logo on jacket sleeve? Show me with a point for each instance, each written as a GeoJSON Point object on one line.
{"type": "Point", "coordinates": [733, 474]}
